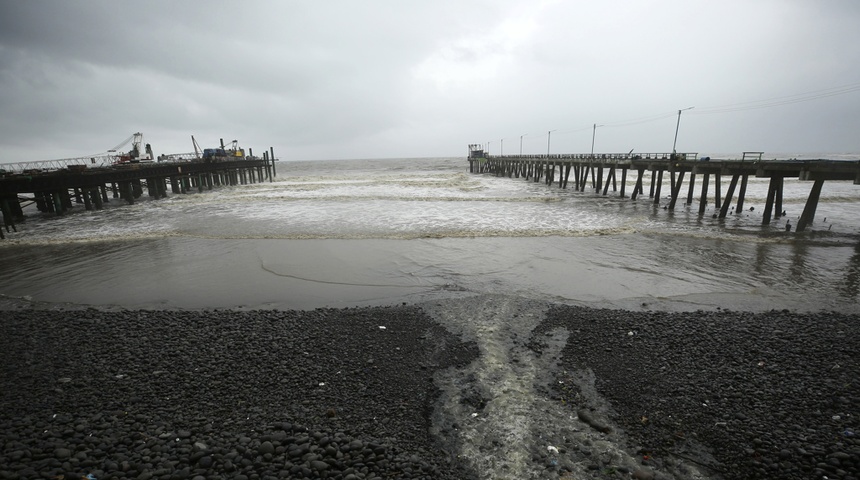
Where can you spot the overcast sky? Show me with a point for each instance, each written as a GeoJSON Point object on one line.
{"type": "Point", "coordinates": [393, 78]}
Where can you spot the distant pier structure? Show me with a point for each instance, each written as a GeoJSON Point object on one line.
{"type": "Point", "coordinates": [599, 171]}
{"type": "Point", "coordinates": [56, 186]}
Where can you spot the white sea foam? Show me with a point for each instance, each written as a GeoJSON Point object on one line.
{"type": "Point", "coordinates": [432, 220]}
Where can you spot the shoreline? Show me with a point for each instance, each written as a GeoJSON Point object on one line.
{"type": "Point", "coordinates": [295, 394]}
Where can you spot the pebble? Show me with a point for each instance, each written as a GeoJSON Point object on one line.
{"type": "Point", "coordinates": [245, 369]}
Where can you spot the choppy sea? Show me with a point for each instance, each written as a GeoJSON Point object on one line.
{"type": "Point", "coordinates": [372, 232]}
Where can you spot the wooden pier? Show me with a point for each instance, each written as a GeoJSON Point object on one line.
{"type": "Point", "coordinates": [58, 190]}
{"type": "Point", "coordinates": [599, 171]}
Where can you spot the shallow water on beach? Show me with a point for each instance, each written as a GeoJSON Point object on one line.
{"type": "Point", "coordinates": [367, 232]}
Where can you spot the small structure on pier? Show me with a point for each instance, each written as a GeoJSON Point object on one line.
{"type": "Point", "coordinates": [476, 151]}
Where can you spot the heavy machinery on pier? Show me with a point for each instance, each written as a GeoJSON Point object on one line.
{"type": "Point", "coordinates": [134, 155]}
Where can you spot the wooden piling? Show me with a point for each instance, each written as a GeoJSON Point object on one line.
{"type": "Point", "coordinates": [778, 196]}
{"type": "Point", "coordinates": [717, 201]}
{"type": "Point", "coordinates": [659, 186]}
{"type": "Point", "coordinates": [637, 188]}
{"type": "Point", "coordinates": [691, 188]}
{"type": "Point", "coordinates": [768, 204]}
{"type": "Point", "coordinates": [703, 200]}
{"type": "Point", "coordinates": [676, 190]}
{"type": "Point", "coordinates": [725, 208]}
{"type": "Point", "coordinates": [653, 182]}
{"type": "Point", "coordinates": [88, 204]}
{"type": "Point", "coordinates": [623, 182]}
{"type": "Point", "coordinates": [808, 214]}
{"type": "Point", "coordinates": [742, 193]}
{"type": "Point", "coordinates": [274, 172]}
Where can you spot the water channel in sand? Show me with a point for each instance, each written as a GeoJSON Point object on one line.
{"type": "Point", "coordinates": [496, 413]}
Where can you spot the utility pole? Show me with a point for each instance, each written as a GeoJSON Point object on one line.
{"type": "Point", "coordinates": [676, 128]}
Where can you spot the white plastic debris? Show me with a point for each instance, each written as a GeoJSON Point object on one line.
{"type": "Point", "coordinates": [552, 449]}
{"type": "Point", "coordinates": [630, 333]}
{"type": "Point", "coordinates": [474, 415]}
{"type": "Point", "coordinates": [382, 327]}
{"type": "Point", "coordinates": [322, 384]}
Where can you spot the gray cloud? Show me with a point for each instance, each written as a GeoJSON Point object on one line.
{"type": "Point", "coordinates": [348, 79]}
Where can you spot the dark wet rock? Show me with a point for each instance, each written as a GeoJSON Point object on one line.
{"type": "Point", "coordinates": [266, 447]}
{"type": "Point", "coordinates": [737, 395]}
{"type": "Point", "coordinates": [258, 373]}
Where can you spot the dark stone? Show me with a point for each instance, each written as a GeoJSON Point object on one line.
{"type": "Point", "coordinates": [266, 447]}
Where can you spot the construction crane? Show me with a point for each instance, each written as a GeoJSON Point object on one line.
{"type": "Point", "coordinates": [197, 150]}
{"type": "Point", "coordinates": [134, 155]}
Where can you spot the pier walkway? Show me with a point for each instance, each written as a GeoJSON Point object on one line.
{"type": "Point", "coordinates": [602, 170]}
{"type": "Point", "coordinates": [58, 190]}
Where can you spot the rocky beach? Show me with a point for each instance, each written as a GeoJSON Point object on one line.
{"type": "Point", "coordinates": [436, 391]}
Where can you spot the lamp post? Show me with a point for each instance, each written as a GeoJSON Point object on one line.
{"type": "Point", "coordinates": [521, 143]}
{"type": "Point", "coordinates": [548, 136]}
{"type": "Point", "coordinates": [502, 147]}
{"type": "Point", "coordinates": [676, 128]}
{"type": "Point", "coordinates": [593, 133]}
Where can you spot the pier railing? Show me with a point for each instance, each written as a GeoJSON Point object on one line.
{"type": "Point", "coordinates": [95, 161]}
{"type": "Point", "coordinates": [602, 156]}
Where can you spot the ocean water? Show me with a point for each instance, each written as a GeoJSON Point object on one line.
{"type": "Point", "coordinates": [374, 232]}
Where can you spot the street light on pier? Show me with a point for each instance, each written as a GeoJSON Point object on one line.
{"type": "Point", "coordinates": [502, 147]}
{"type": "Point", "coordinates": [548, 136]}
{"type": "Point", "coordinates": [521, 143]}
{"type": "Point", "coordinates": [676, 128]}
{"type": "Point", "coordinates": [593, 133]}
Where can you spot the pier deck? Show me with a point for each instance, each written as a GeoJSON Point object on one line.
{"type": "Point", "coordinates": [591, 168]}
{"type": "Point", "coordinates": [58, 190]}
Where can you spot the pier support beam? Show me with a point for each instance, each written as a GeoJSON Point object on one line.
{"type": "Point", "coordinates": [811, 205]}
{"type": "Point", "coordinates": [58, 201]}
{"type": "Point", "coordinates": [88, 203]}
{"type": "Point", "coordinates": [691, 188]}
{"type": "Point", "coordinates": [623, 181]}
{"type": "Point", "coordinates": [717, 201]}
{"type": "Point", "coordinates": [676, 189]}
{"type": "Point", "coordinates": [778, 196]}
{"type": "Point", "coordinates": [637, 188]}
{"type": "Point", "coordinates": [653, 183]}
{"type": "Point", "coordinates": [725, 208]}
{"type": "Point", "coordinates": [272, 151]}
{"type": "Point", "coordinates": [768, 204]}
{"type": "Point", "coordinates": [6, 206]}
{"type": "Point", "coordinates": [742, 193]}
{"type": "Point", "coordinates": [659, 187]}
{"type": "Point", "coordinates": [96, 198]}
{"type": "Point", "coordinates": [703, 200]}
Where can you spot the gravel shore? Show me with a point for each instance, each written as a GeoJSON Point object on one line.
{"type": "Point", "coordinates": [770, 395]}
{"type": "Point", "coordinates": [349, 394]}
{"type": "Point", "coordinates": [146, 394]}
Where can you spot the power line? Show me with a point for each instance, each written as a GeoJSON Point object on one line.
{"type": "Point", "coordinates": [779, 101]}
{"type": "Point", "coordinates": [736, 107]}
